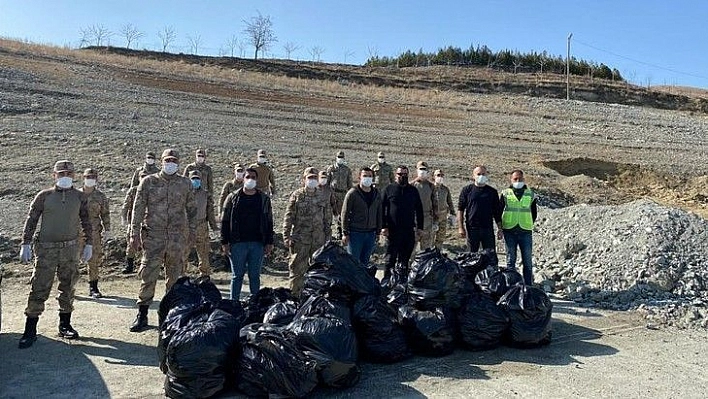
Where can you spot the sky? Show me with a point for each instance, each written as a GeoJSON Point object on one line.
{"type": "Point", "coordinates": [651, 42]}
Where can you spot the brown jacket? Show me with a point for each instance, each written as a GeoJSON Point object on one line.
{"type": "Point", "coordinates": [62, 212]}
{"type": "Point", "coordinates": [428, 197]}
{"type": "Point", "coordinates": [358, 216]}
{"type": "Point", "coordinates": [266, 178]}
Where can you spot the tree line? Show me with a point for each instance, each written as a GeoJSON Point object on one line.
{"type": "Point", "coordinates": [507, 60]}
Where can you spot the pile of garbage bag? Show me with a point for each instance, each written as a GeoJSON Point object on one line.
{"type": "Point", "coordinates": [274, 344]}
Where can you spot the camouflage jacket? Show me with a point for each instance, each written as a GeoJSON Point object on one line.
{"type": "Point", "coordinates": [205, 208]}
{"type": "Point", "coordinates": [305, 217]}
{"type": "Point", "coordinates": [99, 210]}
{"type": "Point", "coordinates": [266, 178]}
{"type": "Point", "coordinates": [339, 179]}
{"type": "Point", "coordinates": [444, 198]}
{"type": "Point", "coordinates": [207, 175]}
{"type": "Point", "coordinates": [62, 212]}
{"type": "Point", "coordinates": [164, 203]}
{"type": "Point", "coordinates": [383, 175]}
{"type": "Point", "coordinates": [149, 169]}
{"type": "Point", "coordinates": [429, 200]}
{"type": "Point", "coordinates": [228, 188]}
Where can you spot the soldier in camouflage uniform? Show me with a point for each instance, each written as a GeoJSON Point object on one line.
{"type": "Point", "coordinates": [446, 209]}
{"type": "Point", "coordinates": [428, 197]}
{"type": "Point", "coordinates": [207, 175]}
{"type": "Point", "coordinates": [304, 228]}
{"type": "Point", "coordinates": [383, 173]}
{"type": "Point", "coordinates": [329, 200]}
{"type": "Point", "coordinates": [148, 167]}
{"type": "Point", "coordinates": [100, 216]}
{"type": "Point", "coordinates": [340, 181]}
{"type": "Point", "coordinates": [62, 209]}
{"type": "Point", "coordinates": [266, 177]}
{"type": "Point", "coordinates": [165, 210]}
{"type": "Point", "coordinates": [205, 220]}
{"type": "Point", "coordinates": [232, 185]}
{"type": "Point", "coordinates": [125, 218]}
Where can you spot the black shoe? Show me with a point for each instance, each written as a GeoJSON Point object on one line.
{"type": "Point", "coordinates": [65, 328]}
{"type": "Point", "coordinates": [93, 290]}
{"type": "Point", "coordinates": [129, 266]}
{"type": "Point", "coordinates": [141, 320]}
{"type": "Point", "coordinates": [30, 334]}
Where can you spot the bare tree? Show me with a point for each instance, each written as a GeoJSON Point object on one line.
{"type": "Point", "coordinates": [517, 64]}
{"type": "Point", "coordinates": [348, 53]}
{"type": "Point", "coordinates": [259, 31]}
{"type": "Point", "coordinates": [290, 48]}
{"type": "Point", "coordinates": [542, 62]}
{"type": "Point", "coordinates": [95, 35]}
{"type": "Point", "coordinates": [167, 35]}
{"type": "Point", "coordinates": [85, 37]}
{"type": "Point", "coordinates": [241, 48]}
{"type": "Point", "coordinates": [373, 52]}
{"type": "Point", "coordinates": [130, 33]}
{"type": "Point", "coordinates": [194, 43]}
{"type": "Point", "coordinates": [231, 44]}
{"type": "Point", "coordinates": [316, 52]}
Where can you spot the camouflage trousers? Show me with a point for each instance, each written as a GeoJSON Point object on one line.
{"type": "Point", "coordinates": [130, 252]}
{"type": "Point", "coordinates": [299, 262]}
{"type": "Point", "coordinates": [441, 234]}
{"type": "Point", "coordinates": [338, 211]}
{"type": "Point", "coordinates": [51, 259]}
{"type": "Point", "coordinates": [160, 248]}
{"type": "Point", "coordinates": [96, 256]}
{"type": "Point", "coordinates": [202, 245]}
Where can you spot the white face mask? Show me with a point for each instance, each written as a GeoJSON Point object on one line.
{"type": "Point", "coordinates": [382, 160]}
{"type": "Point", "coordinates": [518, 184]}
{"type": "Point", "coordinates": [340, 161]}
{"type": "Point", "coordinates": [65, 182]}
{"type": "Point", "coordinates": [311, 183]}
{"type": "Point", "coordinates": [481, 180]}
{"type": "Point", "coordinates": [422, 173]}
{"type": "Point", "coordinates": [201, 159]}
{"type": "Point", "coordinates": [439, 180]}
{"type": "Point", "coordinates": [170, 168]}
{"type": "Point", "coordinates": [367, 181]}
{"type": "Point", "coordinates": [249, 184]}
{"type": "Point", "coordinates": [90, 182]}
{"type": "Point", "coordinates": [323, 181]}
{"type": "Point", "coordinates": [150, 161]}
{"type": "Point", "coordinates": [239, 175]}
{"type": "Point", "coordinates": [261, 160]}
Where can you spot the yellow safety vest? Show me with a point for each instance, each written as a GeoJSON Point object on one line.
{"type": "Point", "coordinates": [517, 212]}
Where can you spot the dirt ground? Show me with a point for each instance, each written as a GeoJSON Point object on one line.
{"type": "Point", "coordinates": [594, 354]}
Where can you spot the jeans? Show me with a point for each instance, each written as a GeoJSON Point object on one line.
{"type": "Point", "coordinates": [361, 245]}
{"type": "Point", "coordinates": [477, 236]}
{"type": "Point", "coordinates": [246, 256]}
{"type": "Point", "coordinates": [523, 240]}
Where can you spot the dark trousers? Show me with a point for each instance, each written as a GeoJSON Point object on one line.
{"type": "Point", "coordinates": [477, 236]}
{"type": "Point", "coordinates": [400, 247]}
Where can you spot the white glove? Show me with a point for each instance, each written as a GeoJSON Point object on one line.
{"type": "Point", "coordinates": [88, 252]}
{"type": "Point", "coordinates": [25, 253]}
{"type": "Point", "coordinates": [435, 227]}
{"type": "Point", "coordinates": [106, 236]}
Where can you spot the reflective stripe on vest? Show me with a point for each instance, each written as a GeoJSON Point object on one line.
{"type": "Point", "coordinates": [517, 213]}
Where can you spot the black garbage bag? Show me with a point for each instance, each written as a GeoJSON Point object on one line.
{"type": "Point", "coordinates": [429, 332]}
{"type": "Point", "coordinates": [281, 313]}
{"type": "Point", "coordinates": [434, 281]}
{"type": "Point", "coordinates": [201, 356]}
{"type": "Point", "coordinates": [381, 339]}
{"type": "Point", "coordinates": [272, 365]}
{"type": "Point", "coordinates": [529, 310]}
{"type": "Point", "coordinates": [472, 263]}
{"type": "Point", "coordinates": [187, 291]}
{"type": "Point", "coordinates": [397, 297]}
{"type": "Point", "coordinates": [496, 283]}
{"type": "Point", "coordinates": [338, 275]}
{"type": "Point", "coordinates": [331, 343]}
{"type": "Point", "coordinates": [234, 308]}
{"type": "Point", "coordinates": [482, 324]}
{"type": "Point", "coordinates": [321, 306]}
{"type": "Point", "coordinates": [256, 305]}
{"type": "Point", "coordinates": [177, 319]}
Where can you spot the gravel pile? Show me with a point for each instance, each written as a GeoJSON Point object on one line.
{"type": "Point", "coordinates": [638, 255]}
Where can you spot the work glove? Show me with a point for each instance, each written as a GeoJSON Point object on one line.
{"type": "Point", "coordinates": [87, 253]}
{"type": "Point", "coordinates": [25, 253]}
{"type": "Point", "coordinates": [106, 236]}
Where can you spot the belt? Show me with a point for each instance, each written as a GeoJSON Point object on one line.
{"type": "Point", "coordinates": [57, 244]}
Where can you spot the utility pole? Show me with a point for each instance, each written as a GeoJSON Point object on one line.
{"type": "Point", "coordinates": [567, 70]}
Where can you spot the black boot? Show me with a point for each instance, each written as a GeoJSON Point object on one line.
{"type": "Point", "coordinates": [65, 328]}
{"type": "Point", "coordinates": [93, 290]}
{"type": "Point", "coordinates": [129, 266]}
{"type": "Point", "coordinates": [30, 334]}
{"type": "Point", "coordinates": [141, 320]}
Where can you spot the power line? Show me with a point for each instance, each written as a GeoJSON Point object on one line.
{"type": "Point", "coordinates": [641, 62]}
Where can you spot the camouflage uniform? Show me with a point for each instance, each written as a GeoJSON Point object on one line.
{"type": "Point", "coordinates": [205, 218]}
{"type": "Point", "coordinates": [126, 214]}
{"type": "Point", "coordinates": [57, 245]}
{"type": "Point", "coordinates": [445, 208]}
{"type": "Point", "coordinates": [304, 225]}
{"type": "Point", "coordinates": [383, 175]}
{"type": "Point", "coordinates": [340, 181]}
{"type": "Point", "coordinates": [428, 198]}
{"type": "Point", "coordinates": [100, 217]}
{"type": "Point", "coordinates": [266, 178]}
{"type": "Point", "coordinates": [147, 169]}
{"type": "Point", "coordinates": [330, 202]}
{"type": "Point", "coordinates": [165, 207]}
{"type": "Point", "coordinates": [206, 174]}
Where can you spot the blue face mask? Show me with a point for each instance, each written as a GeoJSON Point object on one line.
{"type": "Point", "coordinates": [196, 183]}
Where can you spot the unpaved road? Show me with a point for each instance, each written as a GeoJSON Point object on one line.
{"type": "Point", "coordinates": [594, 354]}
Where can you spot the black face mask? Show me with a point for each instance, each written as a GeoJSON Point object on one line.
{"type": "Point", "coordinates": [402, 179]}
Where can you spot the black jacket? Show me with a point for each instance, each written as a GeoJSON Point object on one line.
{"type": "Point", "coordinates": [402, 208]}
{"type": "Point", "coordinates": [230, 232]}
